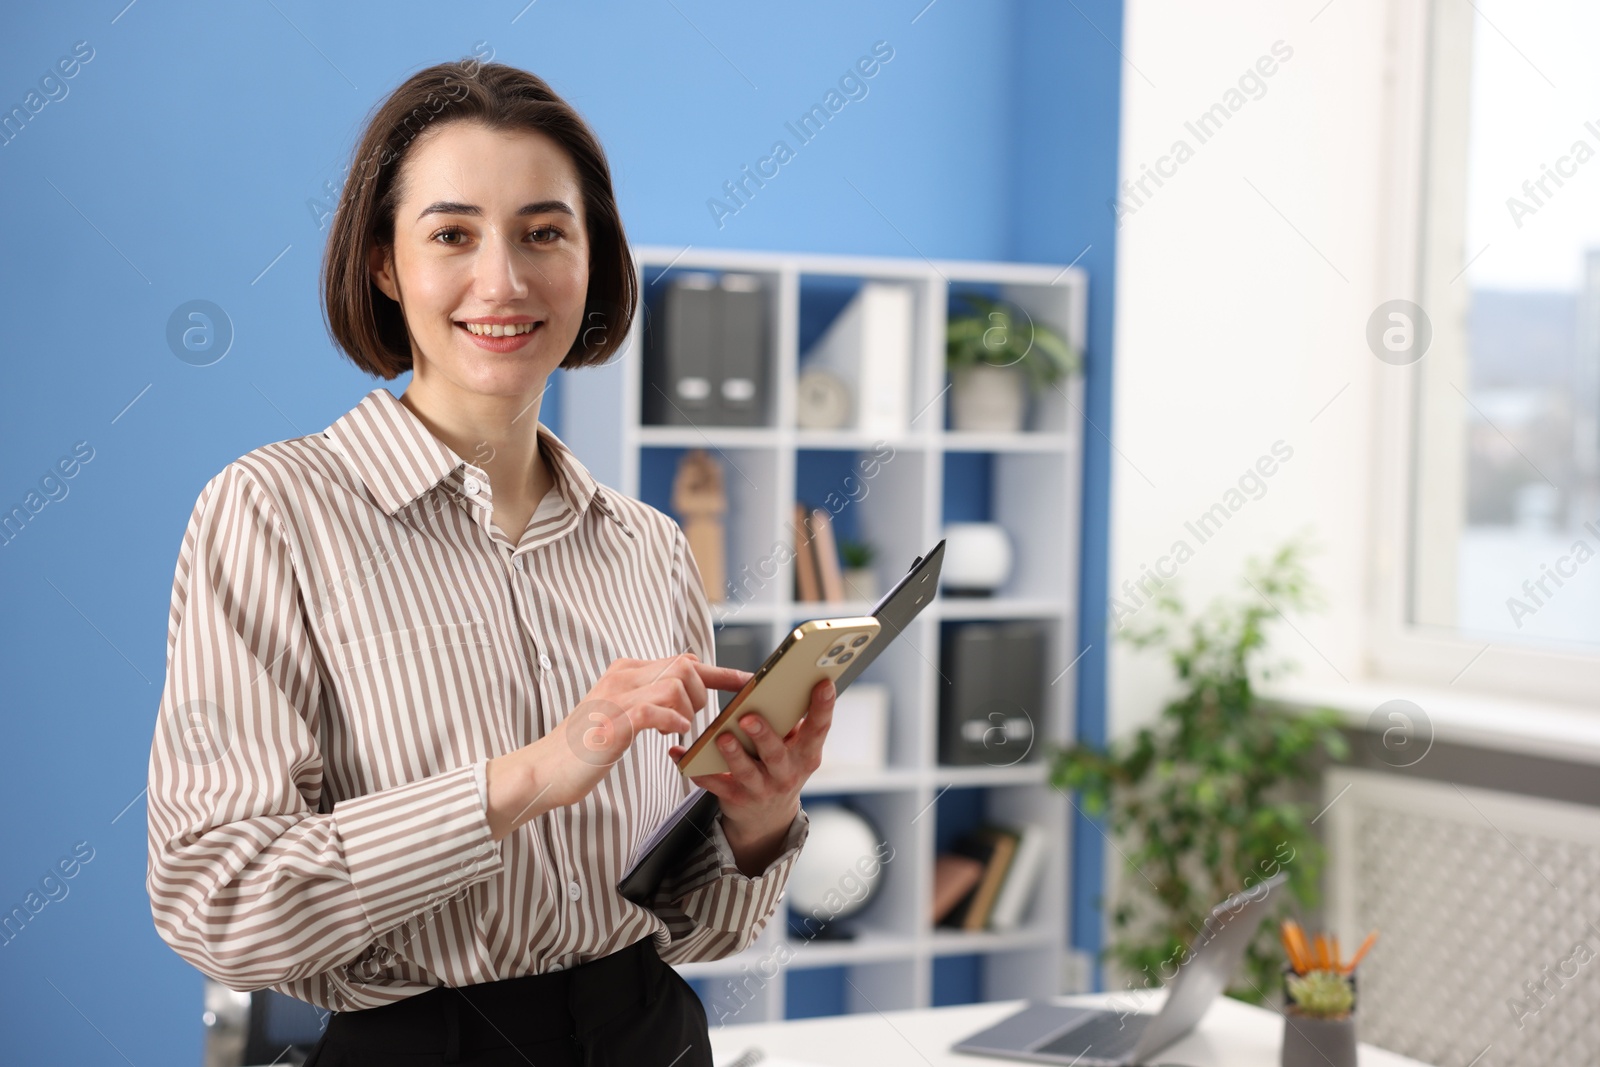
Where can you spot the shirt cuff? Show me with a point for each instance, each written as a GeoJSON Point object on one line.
{"type": "Point", "coordinates": [480, 774]}
{"type": "Point", "coordinates": [718, 895]}
{"type": "Point", "coordinates": [411, 848]}
{"type": "Point", "coordinates": [798, 831]}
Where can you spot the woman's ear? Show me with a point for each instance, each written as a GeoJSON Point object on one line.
{"type": "Point", "coordinates": [380, 266]}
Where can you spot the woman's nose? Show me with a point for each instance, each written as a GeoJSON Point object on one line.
{"type": "Point", "coordinates": [502, 267]}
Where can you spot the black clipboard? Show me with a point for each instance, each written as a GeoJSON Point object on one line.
{"type": "Point", "coordinates": [690, 822]}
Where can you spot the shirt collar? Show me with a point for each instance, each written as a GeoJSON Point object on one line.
{"type": "Point", "coordinates": [400, 459]}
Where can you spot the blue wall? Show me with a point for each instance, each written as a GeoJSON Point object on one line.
{"type": "Point", "coordinates": [180, 165]}
{"type": "Point", "coordinates": [1068, 102]}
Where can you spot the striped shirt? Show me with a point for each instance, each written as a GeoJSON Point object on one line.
{"type": "Point", "coordinates": [351, 638]}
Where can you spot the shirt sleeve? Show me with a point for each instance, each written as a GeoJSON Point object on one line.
{"type": "Point", "coordinates": [711, 908]}
{"type": "Point", "coordinates": [251, 878]}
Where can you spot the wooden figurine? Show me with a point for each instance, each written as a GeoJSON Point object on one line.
{"type": "Point", "coordinates": [699, 497]}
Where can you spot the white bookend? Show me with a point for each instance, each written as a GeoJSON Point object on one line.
{"type": "Point", "coordinates": [858, 740]}
{"type": "Point", "coordinates": [1017, 889]}
{"type": "Point", "coordinates": [868, 347]}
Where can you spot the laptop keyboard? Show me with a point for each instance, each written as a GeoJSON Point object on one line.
{"type": "Point", "coordinates": [1106, 1036]}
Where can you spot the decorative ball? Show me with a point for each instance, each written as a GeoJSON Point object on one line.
{"type": "Point", "coordinates": [840, 868]}
{"type": "Point", "coordinates": [977, 558]}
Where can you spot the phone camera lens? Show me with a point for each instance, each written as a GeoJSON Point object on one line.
{"type": "Point", "coordinates": [845, 656]}
{"type": "Point", "coordinates": [860, 640]}
{"type": "Point", "coordinates": [835, 650]}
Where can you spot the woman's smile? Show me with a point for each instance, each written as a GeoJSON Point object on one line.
{"type": "Point", "coordinates": [500, 338]}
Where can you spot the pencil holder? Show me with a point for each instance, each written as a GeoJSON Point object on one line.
{"type": "Point", "coordinates": [1310, 1040]}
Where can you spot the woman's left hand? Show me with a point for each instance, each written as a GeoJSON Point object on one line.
{"type": "Point", "coordinates": [760, 795]}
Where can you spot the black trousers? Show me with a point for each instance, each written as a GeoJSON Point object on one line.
{"type": "Point", "coordinates": [626, 1008]}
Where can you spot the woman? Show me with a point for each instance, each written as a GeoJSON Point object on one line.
{"type": "Point", "coordinates": [423, 671]}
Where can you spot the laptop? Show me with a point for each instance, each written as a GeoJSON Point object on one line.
{"type": "Point", "coordinates": [1044, 1032]}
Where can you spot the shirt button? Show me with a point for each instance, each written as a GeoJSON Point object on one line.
{"type": "Point", "coordinates": [555, 967]}
{"type": "Point", "coordinates": [472, 487]}
{"type": "Point", "coordinates": [574, 891]}
{"type": "Point", "coordinates": [519, 562]}
{"type": "Point", "coordinates": [544, 664]}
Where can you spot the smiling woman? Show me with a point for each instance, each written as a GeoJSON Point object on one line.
{"type": "Point", "coordinates": [414, 792]}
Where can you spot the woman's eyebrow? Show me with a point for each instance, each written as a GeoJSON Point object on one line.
{"type": "Point", "coordinates": [538, 207]}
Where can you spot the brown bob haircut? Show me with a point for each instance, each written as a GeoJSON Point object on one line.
{"type": "Point", "coordinates": [370, 327]}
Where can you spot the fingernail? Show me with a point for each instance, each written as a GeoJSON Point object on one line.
{"type": "Point", "coordinates": [752, 724]}
{"type": "Point", "coordinates": [726, 742]}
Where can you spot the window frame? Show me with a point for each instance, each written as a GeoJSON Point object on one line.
{"type": "Point", "coordinates": [1398, 649]}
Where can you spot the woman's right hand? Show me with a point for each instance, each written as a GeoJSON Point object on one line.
{"type": "Point", "coordinates": [632, 696]}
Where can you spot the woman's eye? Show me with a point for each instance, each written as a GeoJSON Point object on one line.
{"type": "Point", "coordinates": [451, 231]}
{"type": "Point", "coordinates": [545, 234]}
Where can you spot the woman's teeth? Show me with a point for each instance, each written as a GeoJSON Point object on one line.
{"type": "Point", "coordinates": [484, 330]}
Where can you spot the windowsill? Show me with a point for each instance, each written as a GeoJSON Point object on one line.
{"type": "Point", "coordinates": [1568, 732]}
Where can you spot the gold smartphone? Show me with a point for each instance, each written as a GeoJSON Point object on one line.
{"type": "Point", "coordinates": [780, 691]}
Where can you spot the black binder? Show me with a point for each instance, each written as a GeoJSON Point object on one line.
{"type": "Point", "coordinates": [993, 691]}
{"type": "Point", "coordinates": [690, 822]}
{"type": "Point", "coordinates": [706, 362]}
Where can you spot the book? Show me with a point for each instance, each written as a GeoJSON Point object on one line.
{"type": "Point", "coordinates": [1021, 880]}
{"type": "Point", "coordinates": [829, 574]}
{"type": "Point", "coordinates": [953, 878]}
{"type": "Point", "coordinates": [994, 873]}
{"type": "Point", "coordinates": [807, 583]}
{"type": "Point", "coordinates": [994, 847]}
{"type": "Point", "coordinates": [868, 348]}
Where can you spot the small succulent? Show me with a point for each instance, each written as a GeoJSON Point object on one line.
{"type": "Point", "coordinates": [856, 554]}
{"type": "Point", "coordinates": [1001, 334]}
{"type": "Point", "coordinates": [1322, 994]}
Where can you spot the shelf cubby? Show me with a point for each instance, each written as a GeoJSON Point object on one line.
{"type": "Point", "coordinates": [1060, 307]}
{"type": "Point", "coordinates": [749, 476]}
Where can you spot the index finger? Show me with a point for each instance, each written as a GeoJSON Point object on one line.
{"type": "Point", "coordinates": [729, 678]}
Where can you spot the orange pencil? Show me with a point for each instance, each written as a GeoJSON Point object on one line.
{"type": "Point", "coordinates": [1303, 948]}
{"type": "Point", "coordinates": [1360, 952]}
{"type": "Point", "coordinates": [1293, 947]}
{"type": "Point", "coordinates": [1286, 932]}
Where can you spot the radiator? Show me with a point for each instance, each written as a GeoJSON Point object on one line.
{"type": "Point", "coordinates": [1489, 910]}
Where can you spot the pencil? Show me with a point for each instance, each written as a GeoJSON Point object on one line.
{"type": "Point", "coordinates": [1360, 952]}
{"type": "Point", "coordinates": [1285, 933]}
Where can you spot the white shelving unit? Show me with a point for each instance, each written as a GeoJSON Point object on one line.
{"type": "Point", "coordinates": [1034, 486]}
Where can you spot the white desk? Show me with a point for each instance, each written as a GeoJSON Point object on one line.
{"type": "Point", "coordinates": [1232, 1034]}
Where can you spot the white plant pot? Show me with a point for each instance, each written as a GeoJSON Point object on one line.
{"type": "Point", "coordinates": [986, 399]}
{"type": "Point", "coordinates": [860, 583]}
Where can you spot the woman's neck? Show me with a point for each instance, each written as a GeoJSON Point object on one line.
{"type": "Point", "coordinates": [497, 433]}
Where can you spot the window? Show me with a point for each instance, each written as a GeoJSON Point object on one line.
{"type": "Point", "coordinates": [1504, 501]}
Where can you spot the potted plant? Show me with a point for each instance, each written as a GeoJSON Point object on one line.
{"type": "Point", "coordinates": [1203, 803]}
{"type": "Point", "coordinates": [1319, 1021]}
{"type": "Point", "coordinates": [996, 352]}
{"type": "Point", "coordinates": [860, 580]}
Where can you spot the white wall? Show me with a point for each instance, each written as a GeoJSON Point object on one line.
{"type": "Point", "coordinates": [1233, 330]}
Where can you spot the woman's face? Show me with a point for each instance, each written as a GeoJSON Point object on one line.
{"type": "Point", "coordinates": [490, 226]}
